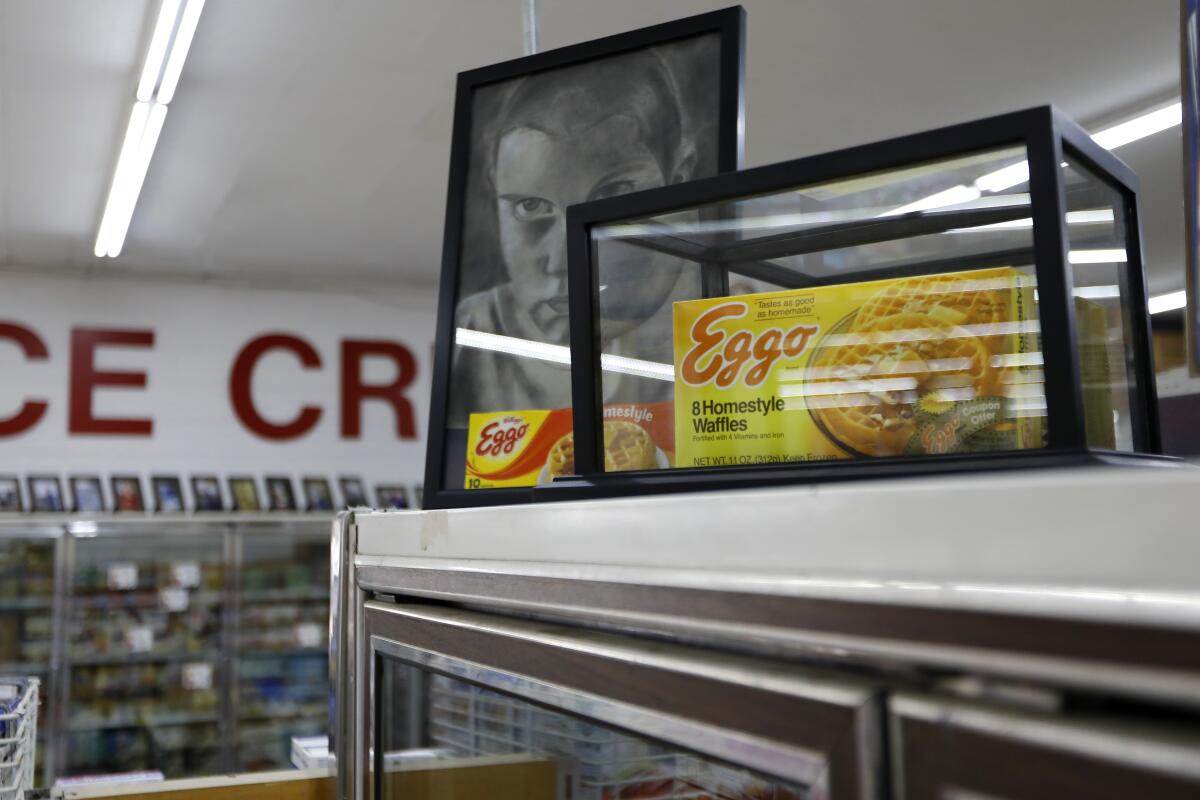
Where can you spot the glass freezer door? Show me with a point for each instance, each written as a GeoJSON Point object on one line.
{"type": "Point", "coordinates": [530, 710]}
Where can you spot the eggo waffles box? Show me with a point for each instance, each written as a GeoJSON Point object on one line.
{"type": "Point", "coordinates": [936, 364]}
{"type": "Point", "coordinates": [527, 448]}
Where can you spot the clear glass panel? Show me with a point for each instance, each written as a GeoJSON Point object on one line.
{"type": "Point", "coordinates": [144, 638]}
{"type": "Point", "coordinates": [283, 646]}
{"type": "Point", "coordinates": [1103, 323]}
{"type": "Point", "coordinates": [26, 607]}
{"type": "Point", "coordinates": [520, 750]}
{"type": "Point", "coordinates": [890, 314]}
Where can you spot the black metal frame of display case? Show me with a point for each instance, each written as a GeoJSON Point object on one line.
{"type": "Point", "coordinates": [1048, 137]}
{"type": "Point", "coordinates": [729, 24]}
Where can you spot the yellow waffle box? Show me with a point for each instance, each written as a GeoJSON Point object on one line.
{"type": "Point", "coordinates": [937, 364]}
{"type": "Point", "coordinates": [531, 447]}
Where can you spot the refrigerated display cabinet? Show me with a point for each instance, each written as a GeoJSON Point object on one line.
{"type": "Point", "coordinates": [987, 635]}
{"type": "Point", "coordinates": [28, 558]}
{"type": "Point", "coordinates": [188, 646]}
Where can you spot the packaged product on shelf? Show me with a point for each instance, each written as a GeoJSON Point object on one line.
{"type": "Point", "coordinates": [533, 447]}
{"type": "Point", "coordinates": [946, 363]}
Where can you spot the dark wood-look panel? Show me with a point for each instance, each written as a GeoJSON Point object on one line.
{"type": "Point", "coordinates": [937, 758]}
{"type": "Point", "coordinates": [825, 728]}
{"type": "Point", "coordinates": [1106, 643]}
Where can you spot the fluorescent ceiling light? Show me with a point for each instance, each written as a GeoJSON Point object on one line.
{"type": "Point", "coordinates": [179, 50]}
{"type": "Point", "coordinates": [147, 118]}
{"type": "Point", "coordinates": [559, 354]}
{"type": "Point", "coordinates": [1089, 217]}
{"type": "Point", "coordinates": [157, 52]}
{"type": "Point", "coordinates": [1140, 127]}
{"type": "Point", "coordinates": [1004, 178]}
{"type": "Point", "coordinates": [1167, 302]}
{"type": "Point", "coordinates": [1114, 256]}
{"type": "Point", "coordinates": [133, 138]}
{"type": "Point", "coordinates": [141, 137]}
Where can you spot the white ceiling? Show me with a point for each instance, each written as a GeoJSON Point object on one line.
{"type": "Point", "coordinates": [309, 140]}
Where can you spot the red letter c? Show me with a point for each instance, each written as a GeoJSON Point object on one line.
{"type": "Point", "coordinates": [239, 386]}
{"type": "Point", "coordinates": [35, 350]}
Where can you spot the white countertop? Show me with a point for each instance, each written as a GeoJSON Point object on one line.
{"type": "Point", "coordinates": [1106, 542]}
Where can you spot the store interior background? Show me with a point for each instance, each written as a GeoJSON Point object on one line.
{"type": "Point", "coordinates": [299, 190]}
{"type": "Point", "coordinates": [301, 178]}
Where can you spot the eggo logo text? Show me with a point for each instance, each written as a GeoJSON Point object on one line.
{"type": "Point", "coordinates": [495, 439]}
{"type": "Point", "coordinates": [719, 357]}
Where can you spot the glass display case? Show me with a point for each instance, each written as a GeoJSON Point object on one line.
{"type": "Point", "coordinates": [28, 556]}
{"type": "Point", "coordinates": [965, 298]}
{"type": "Point", "coordinates": [192, 647]}
{"type": "Point", "coordinates": [571, 713]}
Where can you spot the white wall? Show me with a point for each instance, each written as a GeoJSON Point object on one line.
{"type": "Point", "coordinates": [199, 329]}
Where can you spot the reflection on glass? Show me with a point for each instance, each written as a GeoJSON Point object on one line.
{"type": "Point", "coordinates": [1103, 326]}
{"type": "Point", "coordinates": [480, 729]}
{"type": "Point", "coordinates": [890, 314]}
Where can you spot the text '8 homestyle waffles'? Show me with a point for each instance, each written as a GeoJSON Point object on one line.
{"type": "Point", "coordinates": [935, 364]}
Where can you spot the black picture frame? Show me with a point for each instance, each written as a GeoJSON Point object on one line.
{"type": "Point", "coordinates": [243, 494]}
{"type": "Point", "coordinates": [1189, 62]}
{"type": "Point", "coordinates": [1049, 138]}
{"type": "Point", "coordinates": [45, 494]}
{"type": "Point", "coordinates": [168, 494]}
{"type": "Point", "coordinates": [728, 24]}
{"type": "Point", "coordinates": [281, 494]}
{"type": "Point", "coordinates": [392, 496]}
{"type": "Point", "coordinates": [318, 494]}
{"type": "Point", "coordinates": [10, 494]}
{"type": "Point", "coordinates": [206, 493]}
{"type": "Point", "coordinates": [354, 492]}
{"type": "Point", "coordinates": [127, 494]}
{"type": "Point", "coordinates": [96, 491]}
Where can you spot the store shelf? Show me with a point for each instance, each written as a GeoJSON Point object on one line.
{"type": "Point", "coordinates": [26, 603]}
{"type": "Point", "coordinates": [309, 711]}
{"type": "Point", "coordinates": [156, 721]}
{"type": "Point", "coordinates": [142, 601]}
{"type": "Point", "coordinates": [18, 668]}
{"type": "Point", "coordinates": [284, 596]}
{"type": "Point", "coordinates": [291, 652]}
{"type": "Point", "coordinates": [119, 659]}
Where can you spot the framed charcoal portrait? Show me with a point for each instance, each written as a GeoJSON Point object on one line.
{"type": "Point", "coordinates": [87, 493]}
{"type": "Point", "coordinates": [127, 493]}
{"type": "Point", "coordinates": [45, 493]}
{"type": "Point", "coordinates": [168, 494]}
{"type": "Point", "coordinates": [354, 492]}
{"type": "Point", "coordinates": [533, 136]}
{"type": "Point", "coordinates": [10, 493]}
{"type": "Point", "coordinates": [318, 495]}
{"type": "Point", "coordinates": [206, 493]}
{"type": "Point", "coordinates": [391, 497]}
{"type": "Point", "coordinates": [244, 492]}
{"type": "Point", "coordinates": [280, 496]}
